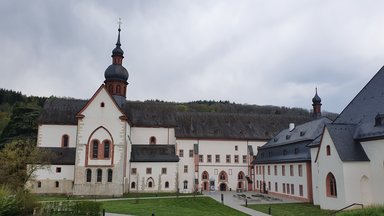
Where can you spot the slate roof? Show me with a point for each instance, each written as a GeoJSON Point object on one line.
{"type": "Point", "coordinates": [348, 148]}
{"type": "Point", "coordinates": [153, 153]}
{"type": "Point", "coordinates": [292, 146]}
{"type": "Point", "coordinates": [62, 156]}
{"type": "Point", "coordinates": [187, 124]}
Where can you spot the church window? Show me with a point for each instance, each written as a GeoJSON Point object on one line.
{"type": "Point", "coordinates": [107, 147]}
{"type": "Point", "coordinates": [133, 184]}
{"type": "Point", "coordinates": [150, 183]}
{"type": "Point", "coordinates": [205, 175]}
{"type": "Point", "coordinates": [39, 184]}
{"type": "Point", "coordinates": [118, 89]}
{"type": "Point", "coordinates": [88, 175]}
{"type": "Point", "coordinates": [110, 173]}
{"type": "Point", "coordinates": [99, 175]}
{"type": "Point", "coordinates": [65, 141]}
{"type": "Point", "coordinates": [185, 184]}
{"type": "Point", "coordinates": [166, 184]}
{"type": "Point", "coordinates": [223, 176]}
{"type": "Point", "coordinates": [152, 140]}
{"type": "Point", "coordinates": [102, 104]}
{"type": "Point", "coordinates": [95, 149]}
{"type": "Point", "coordinates": [57, 184]}
{"type": "Point", "coordinates": [328, 149]}
{"type": "Point", "coordinates": [331, 185]}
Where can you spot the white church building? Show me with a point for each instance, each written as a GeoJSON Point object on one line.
{"type": "Point", "coordinates": [109, 146]}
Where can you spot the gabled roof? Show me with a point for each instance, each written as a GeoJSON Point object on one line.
{"type": "Point", "coordinates": [347, 147]}
{"type": "Point", "coordinates": [61, 156]}
{"type": "Point", "coordinates": [153, 153]}
{"type": "Point", "coordinates": [61, 111]}
{"type": "Point", "coordinates": [292, 146]}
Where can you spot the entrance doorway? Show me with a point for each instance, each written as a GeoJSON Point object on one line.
{"type": "Point", "coordinates": [205, 186]}
{"type": "Point", "coordinates": [223, 187]}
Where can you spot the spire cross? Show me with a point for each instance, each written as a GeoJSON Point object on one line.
{"type": "Point", "coordinates": [119, 22]}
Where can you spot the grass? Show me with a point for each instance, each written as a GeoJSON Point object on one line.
{"type": "Point", "coordinates": [171, 207]}
{"type": "Point", "coordinates": [291, 209]}
{"type": "Point", "coordinates": [368, 211]}
{"type": "Point", "coordinates": [134, 195]}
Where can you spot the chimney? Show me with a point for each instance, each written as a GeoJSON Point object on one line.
{"type": "Point", "coordinates": [291, 126]}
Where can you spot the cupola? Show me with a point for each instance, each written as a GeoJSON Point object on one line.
{"type": "Point", "coordinates": [316, 104]}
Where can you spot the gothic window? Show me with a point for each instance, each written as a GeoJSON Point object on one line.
{"type": "Point", "coordinates": [328, 148]}
{"type": "Point", "coordinates": [107, 147]}
{"type": "Point", "coordinates": [204, 176]}
{"type": "Point", "coordinates": [185, 184]}
{"type": "Point", "coordinates": [95, 149]}
{"type": "Point", "coordinates": [110, 173]}
{"type": "Point", "coordinates": [152, 140]}
{"type": "Point", "coordinates": [240, 176]}
{"type": "Point", "coordinates": [88, 175]}
{"type": "Point", "coordinates": [65, 141]}
{"type": "Point", "coordinates": [331, 185]}
{"type": "Point", "coordinates": [223, 176]}
{"type": "Point", "coordinates": [149, 182]}
{"type": "Point", "coordinates": [133, 184]}
{"type": "Point", "coordinates": [99, 175]}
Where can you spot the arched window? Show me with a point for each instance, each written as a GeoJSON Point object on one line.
{"type": "Point", "coordinates": [118, 89]}
{"type": "Point", "coordinates": [223, 176]}
{"type": "Point", "coordinates": [65, 141]}
{"type": "Point", "coordinates": [88, 175]}
{"type": "Point", "coordinates": [133, 184]}
{"type": "Point", "coordinates": [95, 149]}
{"type": "Point", "coordinates": [99, 175]}
{"type": "Point", "coordinates": [39, 184]}
{"type": "Point", "coordinates": [185, 184]}
{"type": "Point", "coordinates": [102, 104]}
{"type": "Point", "coordinates": [205, 175]}
{"type": "Point", "coordinates": [152, 140]}
{"type": "Point", "coordinates": [166, 184]}
{"type": "Point", "coordinates": [328, 148]}
{"type": "Point", "coordinates": [107, 148]}
{"type": "Point", "coordinates": [240, 175]}
{"type": "Point", "coordinates": [57, 184]}
{"type": "Point", "coordinates": [110, 172]}
{"type": "Point", "coordinates": [331, 185]}
{"type": "Point", "coordinates": [149, 182]}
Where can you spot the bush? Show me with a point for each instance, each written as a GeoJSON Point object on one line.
{"type": "Point", "coordinates": [16, 203]}
{"type": "Point", "coordinates": [63, 208]}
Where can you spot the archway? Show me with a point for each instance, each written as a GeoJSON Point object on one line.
{"type": "Point", "coordinates": [223, 187]}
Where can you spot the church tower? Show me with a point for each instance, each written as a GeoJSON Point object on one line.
{"type": "Point", "coordinates": [116, 75]}
{"type": "Point", "coordinates": [316, 104]}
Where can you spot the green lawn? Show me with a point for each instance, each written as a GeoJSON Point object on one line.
{"type": "Point", "coordinates": [368, 211]}
{"type": "Point", "coordinates": [291, 209]}
{"type": "Point", "coordinates": [171, 206]}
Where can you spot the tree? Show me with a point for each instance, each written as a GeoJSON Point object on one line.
{"type": "Point", "coordinates": [20, 159]}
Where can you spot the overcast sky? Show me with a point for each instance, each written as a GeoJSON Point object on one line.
{"type": "Point", "coordinates": [251, 52]}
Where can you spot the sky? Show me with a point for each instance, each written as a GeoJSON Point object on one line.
{"type": "Point", "coordinates": [249, 52]}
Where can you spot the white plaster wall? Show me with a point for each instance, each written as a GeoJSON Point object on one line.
{"type": "Point", "coordinates": [353, 172]}
{"type": "Point", "coordinates": [315, 176]}
{"type": "Point", "coordinates": [141, 135]}
{"type": "Point", "coordinates": [51, 135]}
{"type": "Point", "coordinates": [49, 172]}
{"type": "Point", "coordinates": [374, 150]}
{"type": "Point", "coordinates": [331, 163]}
{"type": "Point", "coordinates": [287, 179]}
{"type": "Point", "coordinates": [186, 145]}
{"type": "Point", "coordinates": [141, 177]}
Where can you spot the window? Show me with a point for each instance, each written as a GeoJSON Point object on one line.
{"type": "Point", "coordinates": [164, 170]}
{"type": "Point", "coordinates": [236, 148]}
{"type": "Point", "coordinates": [269, 186]}
{"type": "Point", "coordinates": [185, 184]}
{"type": "Point", "coordinates": [331, 185]}
{"type": "Point", "coordinates": [181, 153]}
{"type": "Point", "coordinates": [118, 89]}
{"type": "Point", "coordinates": [88, 175]}
{"type": "Point", "coordinates": [57, 184]}
{"type": "Point", "coordinates": [95, 148]}
{"type": "Point", "coordinates": [217, 158]}
{"type": "Point", "coordinates": [244, 158]}
{"type": "Point", "coordinates": [149, 170]}
{"type": "Point", "coordinates": [102, 104]}
{"type": "Point", "coordinates": [283, 170]}
{"type": "Point", "coordinates": [166, 184]}
{"type": "Point", "coordinates": [150, 184]}
{"type": "Point", "coordinates": [185, 168]}
{"type": "Point", "coordinates": [328, 150]}
{"type": "Point", "coordinates": [300, 169]}
{"type": "Point", "coordinates": [240, 176]}
{"type": "Point", "coordinates": [257, 170]}
{"type": "Point", "coordinates": [65, 141]}
{"type": "Point", "coordinates": [288, 189]}
{"type": "Point", "coordinates": [292, 189]}
{"type": "Point", "coordinates": [191, 153]}
{"type": "Point", "coordinates": [223, 176]}
{"type": "Point", "coordinates": [39, 184]}
{"type": "Point", "coordinates": [236, 158]}
{"type": "Point", "coordinates": [228, 158]}
{"type": "Point", "coordinates": [133, 171]}
{"type": "Point", "coordinates": [99, 175]}
{"type": "Point", "coordinates": [200, 158]}
{"type": "Point", "coordinates": [276, 189]}
{"type": "Point", "coordinates": [275, 167]}
{"type": "Point", "coordinates": [291, 170]}
{"type": "Point", "coordinates": [257, 184]}
{"type": "Point", "coordinates": [58, 169]}
{"type": "Point", "coordinates": [133, 184]}
{"type": "Point", "coordinates": [110, 172]}
{"type": "Point", "coordinates": [301, 190]}
{"type": "Point", "coordinates": [283, 187]}
{"type": "Point", "coordinates": [209, 158]}
{"type": "Point", "coordinates": [204, 176]}
{"type": "Point", "coordinates": [269, 170]}
{"type": "Point", "coordinates": [107, 147]}
{"type": "Point", "coordinates": [263, 170]}
{"type": "Point", "coordinates": [152, 140]}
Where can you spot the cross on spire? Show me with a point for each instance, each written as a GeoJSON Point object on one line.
{"type": "Point", "coordinates": [119, 22]}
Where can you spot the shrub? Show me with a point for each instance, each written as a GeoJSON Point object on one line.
{"type": "Point", "coordinates": [62, 208]}
{"type": "Point", "coordinates": [16, 203]}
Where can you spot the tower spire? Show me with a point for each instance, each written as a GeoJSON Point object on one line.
{"type": "Point", "coordinates": [316, 103]}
